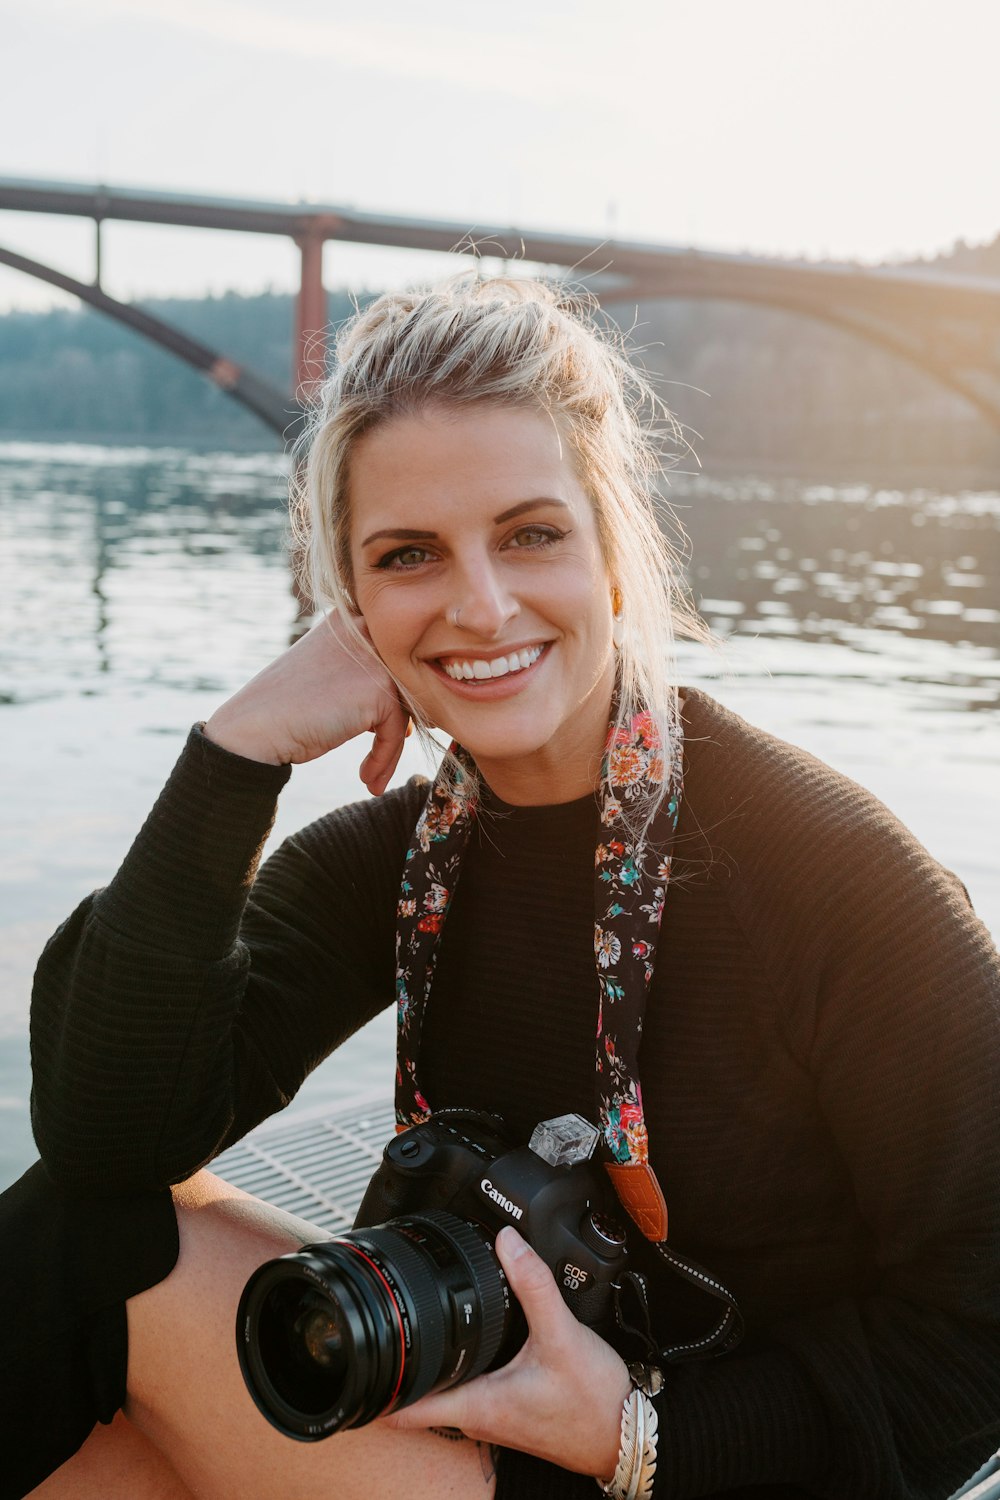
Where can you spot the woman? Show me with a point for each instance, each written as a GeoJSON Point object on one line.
{"type": "Point", "coordinates": [816, 1002]}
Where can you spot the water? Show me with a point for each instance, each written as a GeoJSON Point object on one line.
{"type": "Point", "coordinates": [139, 587]}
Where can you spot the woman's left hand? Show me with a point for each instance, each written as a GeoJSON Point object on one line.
{"type": "Point", "coordinates": [561, 1395]}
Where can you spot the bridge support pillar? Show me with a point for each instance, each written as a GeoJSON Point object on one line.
{"type": "Point", "coordinates": [310, 318]}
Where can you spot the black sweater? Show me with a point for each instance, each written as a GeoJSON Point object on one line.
{"type": "Point", "coordinates": [818, 1069]}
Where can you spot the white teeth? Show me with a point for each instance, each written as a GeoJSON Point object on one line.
{"type": "Point", "coordinates": [500, 666]}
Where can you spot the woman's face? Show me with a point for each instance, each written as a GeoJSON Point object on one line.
{"type": "Point", "coordinates": [479, 574]}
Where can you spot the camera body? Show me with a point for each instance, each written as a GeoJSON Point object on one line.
{"type": "Point", "coordinates": [461, 1161]}
{"type": "Point", "coordinates": [413, 1298]}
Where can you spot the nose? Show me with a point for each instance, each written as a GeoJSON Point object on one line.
{"type": "Point", "coordinates": [481, 601]}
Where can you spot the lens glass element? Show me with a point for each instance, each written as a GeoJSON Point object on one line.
{"type": "Point", "coordinates": [301, 1342]}
{"type": "Point", "coordinates": [321, 1337]}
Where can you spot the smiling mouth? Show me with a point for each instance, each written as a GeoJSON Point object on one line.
{"type": "Point", "coordinates": [475, 669]}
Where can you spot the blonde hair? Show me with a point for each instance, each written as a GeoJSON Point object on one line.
{"type": "Point", "coordinates": [513, 343]}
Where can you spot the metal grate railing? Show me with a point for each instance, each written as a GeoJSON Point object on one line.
{"type": "Point", "coordinates": [316, 1165]}
{"type": "Point", "coordinates": [984, 1485]}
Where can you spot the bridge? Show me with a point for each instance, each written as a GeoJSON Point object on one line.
{"type": "Point", "coordinates": [946, 325]}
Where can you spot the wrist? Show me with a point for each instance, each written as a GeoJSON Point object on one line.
{"type": "Point", "coordinates": [612, 1426]}
{"type": "Point", "coordinates": [240, 737]}
{"type": "Point", "coordinates": [635, 1467]}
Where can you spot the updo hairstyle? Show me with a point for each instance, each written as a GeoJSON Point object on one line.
{"type": "Point", "coordinates": [521, 344]}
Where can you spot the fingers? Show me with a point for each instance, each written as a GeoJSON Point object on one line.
{"type": "Point", "coordinates": [561, 1395]}
{"type": "Point", "coordinates": [534, 1286]}
{"type": "Point", "coordinates": [475, 1407]}
{"type": "Point", "coordinates": [551, 1327]}
{"type": "Point", "coordinates": [445, 1409]}
{"type": "Point", "coordinates": [380, 763]}
{"type": "Point", "coordinates": [391, 732]}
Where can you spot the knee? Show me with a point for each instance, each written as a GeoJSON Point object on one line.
{"type": "Point", "coordinates": [215, 1218]}
{"type": "Point", "coordinates": [71, 1264]}
{"type": "Point", "coordinates": [188, 1320]}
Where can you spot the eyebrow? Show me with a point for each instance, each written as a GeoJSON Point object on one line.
{"type": "Point", "coordinates": [406, 534]}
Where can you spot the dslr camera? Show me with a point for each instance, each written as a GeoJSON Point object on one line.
{"type": "Point", "coordinates": [413, 1299]}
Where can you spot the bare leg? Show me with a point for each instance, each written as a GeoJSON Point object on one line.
{"type": "Point", "coordinates": [115, 1463]}
{"type": "Point", "coordinates": [192, 1431]}
{"type": "Point", "coordinates": [186, 1393]}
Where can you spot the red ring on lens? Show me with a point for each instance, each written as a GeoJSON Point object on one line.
{"type": "Point", "coordinates": [346, 1245]}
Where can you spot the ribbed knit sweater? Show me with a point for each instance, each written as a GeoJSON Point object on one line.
{"type": "Point", "coordinates": [818, 1067]}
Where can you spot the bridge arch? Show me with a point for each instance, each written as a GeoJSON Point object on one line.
{"type": "Point", "coordinates": [882, 336]}
{"type": "Point", "coordinates": [277, 410]}
{"type": "Point", "coordinates": [947, 326]}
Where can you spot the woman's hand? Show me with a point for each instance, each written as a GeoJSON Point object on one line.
{"type": "Point", "coordinates": [561, 1395]}
{"type": "Point", "coordinates": [317, 695]}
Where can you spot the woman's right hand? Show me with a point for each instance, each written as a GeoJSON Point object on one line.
{"type": "Point", "coordinates": [560, 1397]}
{"type": "Point", "coordinates": [320, 693]}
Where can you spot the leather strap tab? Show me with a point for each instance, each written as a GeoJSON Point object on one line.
{"type": "Point", "coordinates": [641, 1195]}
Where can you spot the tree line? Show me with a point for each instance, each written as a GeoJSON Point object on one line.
{"type": "Point", "coordinates": [752, 386]}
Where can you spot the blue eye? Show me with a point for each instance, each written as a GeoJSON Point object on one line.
{"type": "Point", "coordinates": [403, 558]}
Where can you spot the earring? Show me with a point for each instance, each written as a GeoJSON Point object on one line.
{"type": "Point", "coordinates": [617, 619]}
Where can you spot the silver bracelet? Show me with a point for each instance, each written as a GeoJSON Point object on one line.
{"type": "Point", "coordinates": [633, 1478]}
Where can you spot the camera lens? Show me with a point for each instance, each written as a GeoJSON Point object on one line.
{"type": "Point", "coordinates": [343, 1331]}
{"type": "Point", "coordinates": [302, 1346]}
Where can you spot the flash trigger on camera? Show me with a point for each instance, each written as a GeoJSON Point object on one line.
{"type": "Point", "coordinates": [565, 1140]}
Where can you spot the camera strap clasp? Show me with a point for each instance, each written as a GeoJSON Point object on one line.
{"type": "Point", "coordinates": [631, 1306]}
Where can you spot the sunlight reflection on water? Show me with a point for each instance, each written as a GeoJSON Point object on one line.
{"type": "Point", "coordinates": [140, 586]}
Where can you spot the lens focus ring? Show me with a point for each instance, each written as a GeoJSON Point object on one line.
{"type": "Point", "coordinates": [427, 1332]}
{"type": "Point", "coordinates": [488, 1278]}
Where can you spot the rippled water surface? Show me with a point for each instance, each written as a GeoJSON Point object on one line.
{"type": "Point", "coordinates": [137, 588]}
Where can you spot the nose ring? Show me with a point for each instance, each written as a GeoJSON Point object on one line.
{"type": "Point", "coordinates": [453, 616]}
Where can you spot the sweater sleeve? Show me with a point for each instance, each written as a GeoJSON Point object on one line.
{"type": "Point", "coordinates": [188, 999]}
{"type": "Point", "coordinates": [887, 994]}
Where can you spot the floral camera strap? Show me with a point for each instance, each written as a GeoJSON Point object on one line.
{"type": "Point", "coordinates": [631, 872]}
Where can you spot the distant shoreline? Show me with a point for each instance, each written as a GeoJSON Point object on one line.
{"type": "Point", "coordinates": [869, 471]}
{"type": "Point", "coordinates": [758, 390]}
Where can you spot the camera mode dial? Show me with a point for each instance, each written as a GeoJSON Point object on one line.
{"type": "Point", "coordinates": [603, 1234]}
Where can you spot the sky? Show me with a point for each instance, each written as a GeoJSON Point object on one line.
{"type": "Point", "coordinates": [862, 129]}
